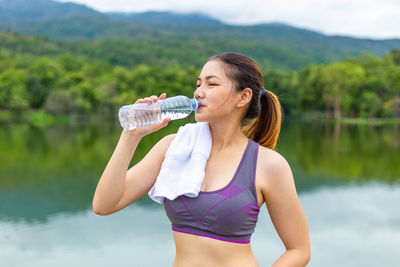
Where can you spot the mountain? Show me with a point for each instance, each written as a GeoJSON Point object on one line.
{"type": "Point", "coordinates": [168, 35]}
{"type": "Point", "coordinates": [30, 10]}
{"type": "Point", "coordinates": [163, 17]}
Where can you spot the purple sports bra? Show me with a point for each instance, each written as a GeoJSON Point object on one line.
{"type": "Point", "coordinates": [228, 214]}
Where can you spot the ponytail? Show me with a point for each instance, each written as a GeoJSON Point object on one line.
{"type": "Point", "coordinates": [266, 127]}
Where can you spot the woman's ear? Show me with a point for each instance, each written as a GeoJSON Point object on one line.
{"type": "Point", "coordinates": [245, 97]}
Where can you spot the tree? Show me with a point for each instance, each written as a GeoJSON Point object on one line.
{"type": "Point", "coordinates": [395, 56]}
{"type": "Point", "coordinates": [310, 87]}
{"type": "Point", "coordinates": [393, 78]}
{"type": "Point", "coordinates": [342, 79]}
{"type": "Point", "coordinates": [13, 94]}
{"type": "Point", "coordinates": [45, 74]}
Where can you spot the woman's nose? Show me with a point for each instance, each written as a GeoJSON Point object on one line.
{"type": "Point", "coordinates": [197, 93]}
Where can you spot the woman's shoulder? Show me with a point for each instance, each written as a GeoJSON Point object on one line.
{"type": "Point", "coordinates": [273, 165]}
{"type": "Point", "coordinates": [270, 156]}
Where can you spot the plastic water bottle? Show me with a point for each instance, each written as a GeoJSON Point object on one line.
{"type": "Point", "coordinates": [144, 114]}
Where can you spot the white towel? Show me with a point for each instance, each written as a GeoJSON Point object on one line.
{"type": "Point", "coordinates": [183, 169]}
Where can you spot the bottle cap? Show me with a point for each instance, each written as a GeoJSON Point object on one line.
{"type": "Point", "coordinates": [195, 103]}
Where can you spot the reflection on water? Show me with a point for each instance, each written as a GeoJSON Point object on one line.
{"type": "Point", "coordinates": [347, 178]}
{"type": "Point", "coordinates": [349, 226]}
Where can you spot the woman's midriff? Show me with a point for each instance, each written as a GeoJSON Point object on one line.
{"type": "Point", "coordinates": [194, 250]}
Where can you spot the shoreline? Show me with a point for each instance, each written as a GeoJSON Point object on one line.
{"type": "Point", "coordinates": [41, 118]}
{"type": "Point", "coordinates": [348, 121]}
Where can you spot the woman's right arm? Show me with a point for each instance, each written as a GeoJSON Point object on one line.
{"type": "Point", "coordinates": [118, 187]}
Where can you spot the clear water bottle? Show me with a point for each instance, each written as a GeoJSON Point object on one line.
{"type": "Point", "coordinates": [144, 114]}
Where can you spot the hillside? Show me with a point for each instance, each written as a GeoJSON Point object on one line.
{"type": "Point", "coordinates": [167, 38]}
{"type": "Point", "coordinates": [163, 17]}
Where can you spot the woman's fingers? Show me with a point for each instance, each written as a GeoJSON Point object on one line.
{"type": "Point", "coordinates": [158, 126]}
{"type": "Point", "coordinates": [164, 122]}
{"type": "Point", "coordinates": [151, 99]}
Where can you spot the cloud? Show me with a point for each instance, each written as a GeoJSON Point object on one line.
{"type": "Point", "coordinates": [359, 18]}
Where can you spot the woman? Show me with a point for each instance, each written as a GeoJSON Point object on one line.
{"type": "Point", "coordinates": [230, 88]}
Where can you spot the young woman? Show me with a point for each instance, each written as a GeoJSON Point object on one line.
{"type": "Point", "coordinates": [242, 173]}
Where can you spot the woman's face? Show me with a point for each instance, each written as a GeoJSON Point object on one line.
{"type": "Point", "coordinates": [215, 91]}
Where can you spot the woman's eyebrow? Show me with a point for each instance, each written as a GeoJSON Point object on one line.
{"type": "Point", "coordinates": [209, 77]}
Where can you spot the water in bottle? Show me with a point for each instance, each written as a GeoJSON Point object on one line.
{"type": "Point", "coordinates": [144, 114]}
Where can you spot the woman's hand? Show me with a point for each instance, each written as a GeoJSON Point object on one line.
{"type": "Point", "coordinates": [143, 131]}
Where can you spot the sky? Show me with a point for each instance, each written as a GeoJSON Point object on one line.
{"type": "Point", "coordinates": [376, 19]}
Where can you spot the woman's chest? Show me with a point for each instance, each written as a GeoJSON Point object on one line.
{"type": "Point", "coordinates": [228, 209]}
{"type": "Point", "coordinates": [219, 171]}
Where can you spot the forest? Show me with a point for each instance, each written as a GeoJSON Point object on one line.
{"type": "Point", "coordinates": [42, 79]}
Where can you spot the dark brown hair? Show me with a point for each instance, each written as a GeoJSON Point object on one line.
{"type": "Point", "coordinates": [262, 120]}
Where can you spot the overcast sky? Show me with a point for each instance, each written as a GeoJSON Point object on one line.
{"type": "Point", "coordinates": [359, 18]}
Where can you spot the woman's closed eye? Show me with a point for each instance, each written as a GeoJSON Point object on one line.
{"type": "Point", "coordinates": [210, 84]}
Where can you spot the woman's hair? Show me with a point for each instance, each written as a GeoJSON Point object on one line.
{"type": "Point", "coordinates": [264, 114]}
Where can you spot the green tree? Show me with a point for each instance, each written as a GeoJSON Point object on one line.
{"type": "Point", "coordinates": [393, 78]}
{"type": "Point", "coordinates": [342, 80]}
{"type": "Point", "coordinates": [45, 73]}
{"type": "Point", "coordinates": [13, 94]}
{"type": "Point", "coordinates": [311, 83]}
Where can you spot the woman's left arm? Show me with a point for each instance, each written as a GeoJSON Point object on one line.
{"type": "Point", "coordinates": [286, 214]}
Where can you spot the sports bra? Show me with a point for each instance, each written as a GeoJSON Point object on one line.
{"type": "Point", "coordinates": [228, 214]}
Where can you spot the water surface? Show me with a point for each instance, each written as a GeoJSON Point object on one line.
{"type": "Point", "coordinates": [347, 178]}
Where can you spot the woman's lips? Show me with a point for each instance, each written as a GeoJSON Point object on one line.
{"type": "Point", "coordinates": [201, 106]}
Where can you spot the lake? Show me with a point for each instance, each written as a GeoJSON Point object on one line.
{"type": "Point", "coordinates": [347, 178]}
